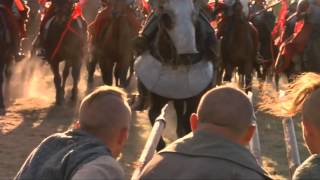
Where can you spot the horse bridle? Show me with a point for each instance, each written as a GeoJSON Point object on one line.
{"type": "Point", "coordinates": [188, 59]}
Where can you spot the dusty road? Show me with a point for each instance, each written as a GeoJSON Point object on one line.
{"type": "Point", "coordinates": [32, 116]}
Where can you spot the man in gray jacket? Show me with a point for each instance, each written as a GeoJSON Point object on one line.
{"type": "Point", "coordinates": [89, 151]}
{"type": "Point", "coordinates": [215, 149]}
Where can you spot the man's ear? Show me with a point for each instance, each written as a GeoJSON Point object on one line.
{"type": "Point", "coordinates": [123, 136]}
{"type": "Point", "coordinates": [308, 129]}
{"type": "Point", "coordinates": [76, 125]}
{"type": "Point", "coordinates": [249, 134]}
{"type": "Point", "coordinates": [194, 120]}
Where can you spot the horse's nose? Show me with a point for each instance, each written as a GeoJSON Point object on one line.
{"type": "Point", "coordinates": [115, 14]}
{"type": "Point", "coordinates": [190, 58]}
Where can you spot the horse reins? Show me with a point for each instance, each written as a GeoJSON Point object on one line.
{"type": "Point", "coordinates": [67, 29]}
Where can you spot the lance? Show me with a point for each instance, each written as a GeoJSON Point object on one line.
{"type": "Point", "coordinates": [254, 144]}
{"type": "Point", "coordinates": [152, 142]}
{"type": "Point", "coordinates": [291, 143]}
{"type": "Point", "coordinates": [265, 9]}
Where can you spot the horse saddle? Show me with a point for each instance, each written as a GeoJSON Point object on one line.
{"type": "Point", "coordinates": [179, 82]}
{"type": "Point", "coordinates": [48, 24]}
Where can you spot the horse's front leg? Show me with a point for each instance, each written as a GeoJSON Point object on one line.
{"type": "Point", "coordinates": [91, 67]}
{"type": "Point", "coordinates": [228, 72]}
{"type": "Point", "coordinates": [57, 82]}
{"type": "Point", "coordinates": [2, 106]}
{"type": "Point", "coordinates": [8, 75]}
{"type": "Point", "coordinates": [76, 69]}
{"type": "Point", "coordinates": [248, 77]}
{"type": "Point", "coordinates": [121, 71]}
{"type": "Point", "coordinates": [65, 74]}
{"type": "Point", "coordinates": [184, 109]}
{"type": "Point", "coordinates": [106, 66]}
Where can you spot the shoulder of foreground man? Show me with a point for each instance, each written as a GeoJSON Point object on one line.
{"type": "Point", "coordinates": [179, 166]}
{"type": "Point", "coordinates": [104, 167]}
{"type": "Point", "coordinates": [309, 169]}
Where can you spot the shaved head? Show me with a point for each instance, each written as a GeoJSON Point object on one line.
{"type": "Point", "coordinates": [310, 110]}
{"type": "Point", "coordinates": [104, 111]}
{"type": "Point", "coordinates": [226, 107]}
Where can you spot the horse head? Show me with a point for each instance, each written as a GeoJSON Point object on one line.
{"type": "Point", "coordinates": [119, 7]}
{"type": "Point", "coordinates": [177, 20]}
{"type": "Point", "coordinates": [237, 9]}
{"type": "Point", "coordinates": [63, 11]}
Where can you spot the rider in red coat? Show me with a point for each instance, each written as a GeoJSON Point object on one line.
{"type": "Point", "coordinates": [308, 22]}
{"type": "Point", "coordinates": [104, 17]}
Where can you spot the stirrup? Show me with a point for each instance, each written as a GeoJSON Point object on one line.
{"type": "Point", "coordinates": [41, 52]}
{"type": "Point", "coordinates": [19, 56]}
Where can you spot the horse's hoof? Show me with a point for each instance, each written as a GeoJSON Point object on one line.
{"type": "Point", "coordinates": [59, 102]}
{"type": "Point", "coordinates": [90, 80]}
{"type": "Point", "coordinates": [140, 104]}
{"type": "Point", "coordinates": [74, 98]}
{"type": "Point", "coordinates": [2, 111]}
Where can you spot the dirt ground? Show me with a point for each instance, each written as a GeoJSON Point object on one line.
{"type": "Point", "coordinates": [32, 116]}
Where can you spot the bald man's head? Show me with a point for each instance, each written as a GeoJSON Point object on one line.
{"type": "Point", "coordinates": [310, 110]}
{"type": "Point", "coordinates": [226, 107]}
{"type": "Point", "coordinates": [104, 111]}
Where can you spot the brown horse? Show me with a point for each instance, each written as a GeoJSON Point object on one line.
{"type": "Point", "coordinates": [239, 45]}
{"type": "Point", "coordinates": [115, 49]}
{"type": "Point", "coordinates": [66, 43]}
{"type": "Point", "coordinates": [7, 52]}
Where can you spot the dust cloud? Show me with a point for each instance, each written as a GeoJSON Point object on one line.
{"type": "Point", "coordinates": [32, 78]}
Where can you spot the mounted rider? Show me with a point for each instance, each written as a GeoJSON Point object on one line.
{"type": "Point", "coordinates": [263, 19]}
{"type": "Point", "coordinates": [307, 26]}
{"type": "Point", "coordinates": [228, 4]}
{"type": "Point", "coordinates": [17, 13]}
{"type": "Point", "coordinates": [45, 23]}
{"type": "Point", "coordinates": [226, 7]}
{"type": "Point", "coordinates": [97, 27]}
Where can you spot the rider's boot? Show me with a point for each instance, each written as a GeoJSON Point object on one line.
{"type": "Point", "coordinates": [18, 53]}
{"type": "Point", "coordinates": [41, 52]}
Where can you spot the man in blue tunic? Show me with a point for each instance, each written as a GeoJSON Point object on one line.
{"type": "Point", "coordinates": [89, 151]}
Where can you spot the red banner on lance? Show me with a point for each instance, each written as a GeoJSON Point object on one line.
{"type": "Point", "coordinates": [146, 5]}
{"type": "Point", "coordinates": [19, 5]}
{"type": "Point", "coordinates": [279, 27]}
{"type": "Point", "coordinates": [77, 11]}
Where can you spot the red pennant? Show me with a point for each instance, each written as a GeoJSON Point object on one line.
{"type": "Point", "coordinates": [298, 27]}
{"type": "Point", "coordinates": [146, 6]}
{"type": "Point", "coordinates": [42, 2]}
{"type": "Point", "coordinates": [279, 27]}
{"type": "Point", "coordinates": [19, 5]}
{"type": "Point", "coordinates": [211, 5]}
{"type": "Point", "coordinates": [77, 11]}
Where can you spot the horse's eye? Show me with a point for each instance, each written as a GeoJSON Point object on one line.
{"type": "Point", "coordinates": [167, 20]}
